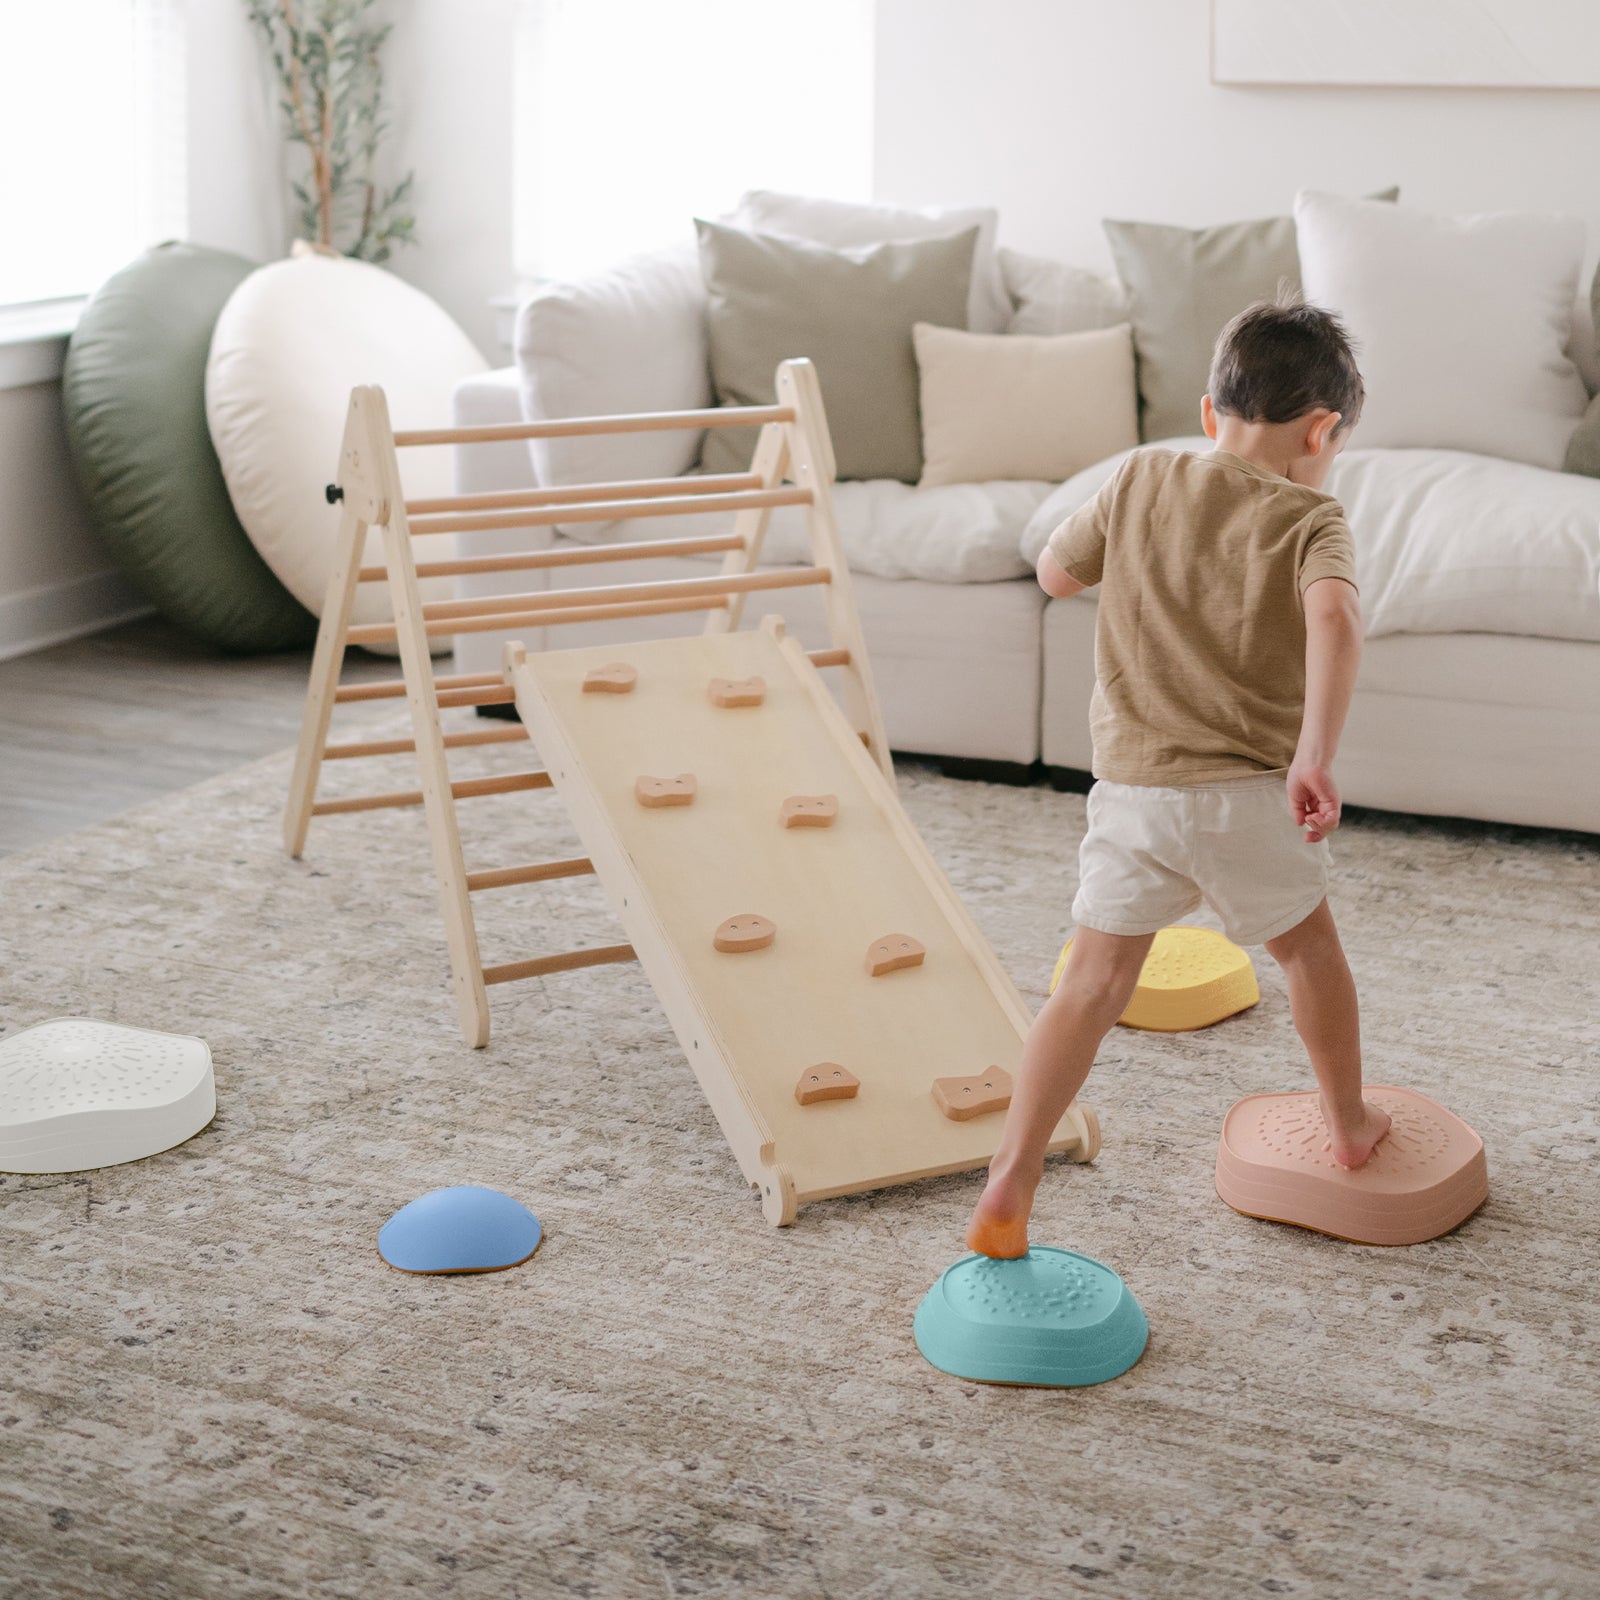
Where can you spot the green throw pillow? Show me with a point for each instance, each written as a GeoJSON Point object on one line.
{"type": "Point", "coordinates": [1184, 285]}
{"type": "Point", "coordinates": [1583, 448]}
{"type": "Point", "coordinates": [851, 312]}
{"type": "Point", "coordinates": [134, 392]}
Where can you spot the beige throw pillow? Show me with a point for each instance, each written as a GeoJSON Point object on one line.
{"type": "Point", "coordinates": [1023, 405]}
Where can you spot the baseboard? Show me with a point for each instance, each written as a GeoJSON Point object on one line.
{"type": "Point", "coordinates": [976, 770]}
{"type": "Point", "coordinates": [1069, 780]}
{"type": "Point", "coordinates": [55, 612]}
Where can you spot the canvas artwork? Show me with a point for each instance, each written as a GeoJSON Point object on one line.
{"type": "Point", "coordinates": [1535, 44]}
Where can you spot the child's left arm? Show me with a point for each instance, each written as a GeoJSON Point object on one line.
{"type": "Point", "coordinates": [1333, 653]}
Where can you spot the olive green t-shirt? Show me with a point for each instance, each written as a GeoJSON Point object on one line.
{"type": "Point", "coordinates": [1200, 647]}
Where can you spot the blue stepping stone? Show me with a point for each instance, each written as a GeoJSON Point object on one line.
{"type": "Point", "coordinates": [1051, 1318]}
{"type": "Point", "coordinates": [464, 1229]}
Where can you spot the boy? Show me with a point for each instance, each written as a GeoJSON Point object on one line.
{"type": "Point", "coordinates": [1225, 656]}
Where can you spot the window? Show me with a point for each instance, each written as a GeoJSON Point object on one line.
{"type": "Point", "coordinates": [92, 110]}
{"type": "Point", "coordinates": [634, 116]}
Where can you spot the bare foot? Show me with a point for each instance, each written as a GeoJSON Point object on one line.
{"type": "Point", "coordinates": [999, 1225]}
{"type": "Point", "coordinates": [1352, 1146]}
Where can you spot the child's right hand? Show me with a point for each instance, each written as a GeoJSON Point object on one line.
{"type": "Point", "coordinates": [1314, 799]}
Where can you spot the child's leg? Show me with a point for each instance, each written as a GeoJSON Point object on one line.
{"type": "Point", "coordinates": [1322, 996]}
{"type": "Point", "coordinates": [1094, 991]}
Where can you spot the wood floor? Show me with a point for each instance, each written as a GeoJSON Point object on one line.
{"type": "Point", "coordinates": [95, 726]}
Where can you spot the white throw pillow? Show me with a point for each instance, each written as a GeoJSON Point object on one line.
{"type": "Point", "coordinates": [293, 340]}
{"type": "Point", "coordinates": [631, 339]}
{"type": "Point", "coordinates": [1056, 297]}
{"type": "Point", "coordinates": [1461, 323]}
{"type": "Point", "coordinates": [843, 224]}
{"type": "Point", "coordinates": [1446, 542]}
{"type": "Point", "coordinates": [999, 405]}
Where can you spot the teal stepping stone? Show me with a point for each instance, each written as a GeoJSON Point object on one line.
{"type": "Point", "coordinates": [1051, 1318]}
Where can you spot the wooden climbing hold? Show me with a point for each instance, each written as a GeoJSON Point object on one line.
{"type": "Point", "coordinates": [679, 791]}
{"type": "Point", "coordinates": [892, 952]}
{"type": "Point", "coordinates": [615, 677]}
{"type": "Point", "coordinates": [826, 1081]}
{"type": "Point", "coordinates": [737, 691]}
{"type": "Point", "coordinates": [809, 811]}
{"type": "Point", "coordinates": [964, 1098]}
{"type": "Point", "coordinates": [745, 932]}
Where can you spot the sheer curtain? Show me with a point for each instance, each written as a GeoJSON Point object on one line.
{"type": "Point", "coordinates": [633, 116]}
{"type": "Point", "coordinates": [92, 111]}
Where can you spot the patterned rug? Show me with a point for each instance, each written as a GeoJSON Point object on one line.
{"type": "Point", "coordinates": [212, 1387]}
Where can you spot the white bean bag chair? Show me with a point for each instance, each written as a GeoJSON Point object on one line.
{"type": "Point", "coordinates": [292, 341]}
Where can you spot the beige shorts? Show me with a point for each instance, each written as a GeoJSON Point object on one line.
{"type": "Point", "coordinates": [1152, 855]}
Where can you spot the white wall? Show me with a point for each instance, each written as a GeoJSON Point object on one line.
{"type": "Point", "coordinates": [1062, 112]}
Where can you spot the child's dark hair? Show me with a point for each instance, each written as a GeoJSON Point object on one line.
{"type": "Point", "coordinates": [1278, 360]}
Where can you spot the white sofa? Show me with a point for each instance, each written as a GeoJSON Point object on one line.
{"type": "Point", "coordinates": [1479, 693]}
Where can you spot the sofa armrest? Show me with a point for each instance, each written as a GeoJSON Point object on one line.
{"type": "Point", "coordinates": [483, 400]}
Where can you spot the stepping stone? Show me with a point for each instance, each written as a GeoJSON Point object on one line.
{"type": "Point", "coordinates": [1049, 1319]}
{"type": "Point", "coordinates": [464, 1229]}
{"type": "Point", "coordinates": [1426, 1176]}
{"type": "Point", "coordinates": [1192, 978]}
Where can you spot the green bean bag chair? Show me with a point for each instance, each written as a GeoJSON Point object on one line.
{"type": "Point", "coordinates": [134, 390]}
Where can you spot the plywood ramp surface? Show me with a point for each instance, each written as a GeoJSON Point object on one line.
{"type": "Point", "coordinates": [751, 1023]}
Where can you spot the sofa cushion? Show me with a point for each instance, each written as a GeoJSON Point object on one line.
{"type": "Point", "coordinates": [1461, 323]}
{"type": "Point", "coordinates": [631, 339]}
{"type": "Point", "coordinates": [1041, 406]}
{"type": "Point", "coordinates": [1051, 297]}
{"type": "Point", "coordinates": [1446, 542]}
{"type": "Point", "coordinates": [958, 533]}
{"type": "Point", "coordinates": [851, 311]}
{"type": "Point", "coordinates": [847, 224]}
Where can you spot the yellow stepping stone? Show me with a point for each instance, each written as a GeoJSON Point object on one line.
{"type": "Point", "coordinates": [1191, 978]}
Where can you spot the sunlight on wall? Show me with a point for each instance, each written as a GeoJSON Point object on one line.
{"type": "Point", "coordinates": [634, 116]}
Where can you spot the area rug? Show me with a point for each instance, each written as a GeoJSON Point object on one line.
{"type": "Point", "coordinates": [213, 1387]}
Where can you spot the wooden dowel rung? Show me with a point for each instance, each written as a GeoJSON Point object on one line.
{"type": "Point", "coordinates": [504, 622]}
{"type": "Point", "coordinates": [508, 734]}
{"type": "Point", "coordinates": [539, 872]}
{"type": "Point", "coordinates": [395, 688]}
{"type": "Point", "coordinates": [465, 789]}
{"type": "Point", "coordinates": [448, 698]}
{"type": "Point", "coordinates": [829, 658]}
{"type": "Point", "coordinates": [570, 960]}
{"type": "Point", "coordinates": [575, 427]}
{"type": "Point", "coordinates": [584, 556]}
{"type": "Point", "coordinates": [610, 510]}
{"type": "Point", "coordinates": [500, 500]}
{"type": "Point", "coordinates": [621, 593]}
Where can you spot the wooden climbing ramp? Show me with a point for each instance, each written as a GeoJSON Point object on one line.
{"type": "Point", "coordinates": [846, 1020]}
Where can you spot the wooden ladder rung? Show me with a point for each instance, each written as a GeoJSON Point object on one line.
{"type": "Point", "coordinates": [510, 733]}
{"type": "Point", "coordinates": [575, 427]}
{"type": "Point", "coordinates": [395, 688]}
{"type": "Point", "coordinates": [510, 971]}
{"type": "Point", "coordinates": [376, 633]}
{"type": "Point", "coordinates": [539, 872]}
{"type": "Point", "coordinates": [608, 510]}
{"type": "Point", "coordinates": [623, 593]}
{"type": "Point", "coordinates": [584, 556]}
{"type": "Point", "coordinates": [505, 499]}
{"type": "Point", "coordinates": [829, 658]}
{"type": "Point", "coordinates": [464, 789]}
